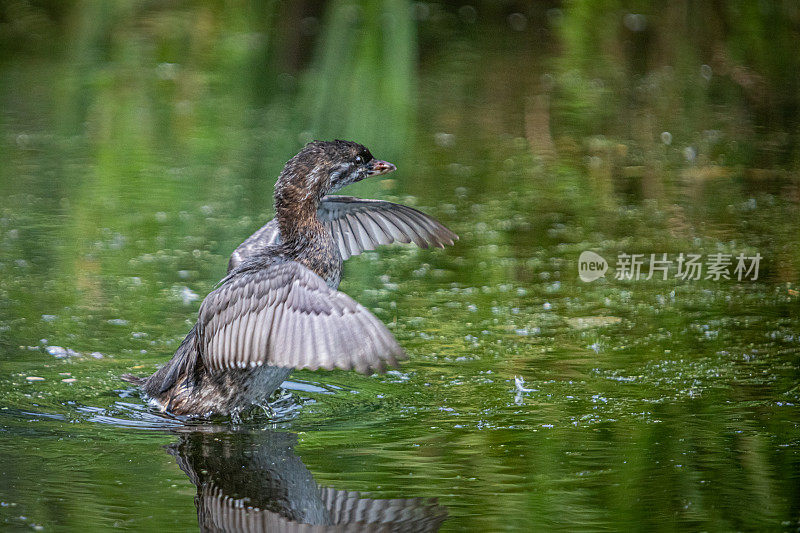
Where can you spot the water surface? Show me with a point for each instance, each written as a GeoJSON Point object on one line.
{"type": "Point", "coordinates": [140, 144]}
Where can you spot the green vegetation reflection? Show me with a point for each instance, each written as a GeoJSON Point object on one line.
{"type": "Point", "coordinates": [140, 142]}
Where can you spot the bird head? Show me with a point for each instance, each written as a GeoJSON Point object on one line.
{"type": "Point", "coordinates": [323, 167]}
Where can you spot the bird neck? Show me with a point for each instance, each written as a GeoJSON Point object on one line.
{"type": "Point", "coordinates": [296, 213]}
{"type": "Point", "coordinates": [306, 239]}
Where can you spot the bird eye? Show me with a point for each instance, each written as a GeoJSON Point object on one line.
{"type": "Point", "coordinates": [359, 160]}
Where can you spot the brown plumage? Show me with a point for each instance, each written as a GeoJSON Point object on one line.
{"type": "Point", "coordinates": [278, 309]}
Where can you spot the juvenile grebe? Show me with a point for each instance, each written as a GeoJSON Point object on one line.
{"type": "Point", "coordinates": [278, 308]}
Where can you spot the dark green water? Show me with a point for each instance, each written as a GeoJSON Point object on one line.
{"type": "Point", "coordinates": [139, 145]}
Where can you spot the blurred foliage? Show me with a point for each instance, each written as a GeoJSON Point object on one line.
{"type": "Point", "coordinates": [638, 69]}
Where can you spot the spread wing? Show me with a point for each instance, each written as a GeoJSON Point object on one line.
{"type": "Point", "coordinates": [266, 235]}
{"type": "Point", "coordinates": [285, 315]}
{"type": "Point", "coordinates": [357, 225]}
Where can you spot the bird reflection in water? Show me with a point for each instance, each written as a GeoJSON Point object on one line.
{"type": "Point", "coordinates": [254, 481]}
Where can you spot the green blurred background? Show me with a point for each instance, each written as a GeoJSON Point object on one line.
{"type": "Point", "coordinates": [139, 142]}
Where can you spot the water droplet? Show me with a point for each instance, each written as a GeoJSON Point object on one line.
{"type": "Point", "coordinates": [468, 14]}
{"type": "Point", "coordinates": [555, 16]}
{"type": "Point", "coordinates": [518, 21]}
{"type": "Point", "coordinates": [57, 351]}
{"type": "Point", "coordinates": [445, 140]}
{"type": "Point", "coordinates": [167, 71]}
{"type": "Point", "coordinates": [635, 22]}
{"type": "Point", "coordinates": [187, 295]}
{"type": "Point", "coordinates": [421, 10]}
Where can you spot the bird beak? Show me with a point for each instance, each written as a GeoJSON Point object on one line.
{"type": "Point", "coordinates": [376, 167]}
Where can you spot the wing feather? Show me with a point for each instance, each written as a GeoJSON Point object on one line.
{"type": "Point", "coordinates": [396, 233]}
{"type": "Point", "coordinates": [267, 235]}
{"type": "Point", "coordinates": [285, 315]}
{"type": "Point", "coordinates": [365, 242]}
{"type": "Point", "coordinates": [401, 222]}
{"type": "Point", "coordinates": [346, 236]}
{"type": "Point", "coordinates": [374, 229]}
{"type": "Point", "coordinates": [259, 327]}
{"type": "Point", "coordinates": [357, 225]}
